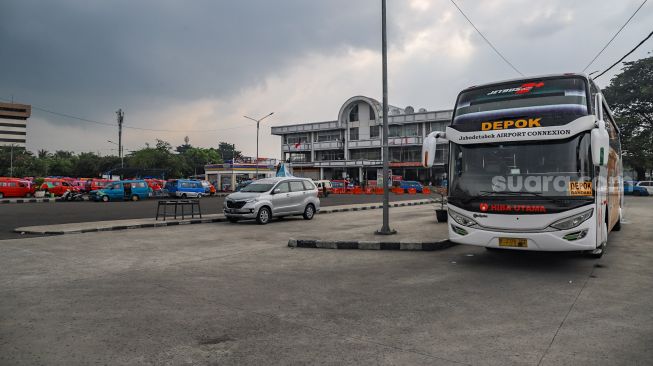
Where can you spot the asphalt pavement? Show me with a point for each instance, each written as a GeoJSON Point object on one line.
{"type": "Point", "coordinates": [235, 294]}
{"type": "Point", "coordinates": [15, 215]}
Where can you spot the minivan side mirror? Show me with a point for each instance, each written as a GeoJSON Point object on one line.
{"type": "Point", "coordinates": [276, 190]}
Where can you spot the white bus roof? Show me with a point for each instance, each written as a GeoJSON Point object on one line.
{"type": "Point", "coordinates": [583, 75]}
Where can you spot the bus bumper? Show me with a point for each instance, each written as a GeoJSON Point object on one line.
{"type": "Point", "coordinates": [559, 240]}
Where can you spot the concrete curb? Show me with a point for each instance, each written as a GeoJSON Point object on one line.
{"type": "Point", "coordinates": [126, 227]}
{"type": "Point", "coordinates": [86, 199]}
{"type": "Point", "coordinates": [28, 200]}
{"type": "Point", "coordinates": [326, 210]}
{"type": "Point", "coordinates": [371, 245]}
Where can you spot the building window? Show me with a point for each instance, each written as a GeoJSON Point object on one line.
{"type": "Point", "coordinates": [365, 154]}
{"type": "Point", "coordinates": [353, 133]}
{"type": "Point", "coordinates": [322, 136]}
{"type": "Point", "coordinates": [394, 131]}
{"type": "Point", "coordinates": [410, 130]}
{"type": "Point", "coordinates": [327, 155]}
{"type": "Point", "coordinates": [298, 157]}
{"type": "Point", "coordinates": [372, 114]}
{"type": "Point", "coordinates": [353, 114]}
{"type": "Point", "coordinates": [296, 138]}
{"type": "Point", "coordinates": [374, 132]}
{"type": "Point", "coordinates": [405, 154]}
{"type": "Point", "coordinates": [434, 126]}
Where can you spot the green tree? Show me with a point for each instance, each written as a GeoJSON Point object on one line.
{"type": "Point", "coordinates": [196, 158]}
{"type": "Point", "coordinates": [24, 162]}
{"type": "Point", "coordinates": [183, 148]}
{"type": "Point", "coordinates": [228, 151]}
{"type": "Point", "coordinates": [87, 165]}
{"type": "Point", "coordinates": [630, 95]}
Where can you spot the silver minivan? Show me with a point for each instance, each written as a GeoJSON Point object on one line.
{"type": "Point", "coordinates": [273, 197]}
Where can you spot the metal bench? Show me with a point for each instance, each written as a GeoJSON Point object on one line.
{"type": "Point", "coordinates": [194, 208]}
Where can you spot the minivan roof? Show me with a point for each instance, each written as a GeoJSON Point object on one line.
{"type": "Point", "coordinates": [277, 179]}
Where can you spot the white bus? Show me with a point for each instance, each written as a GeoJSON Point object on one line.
{"type": "Point", "coordinates": [534, 164]}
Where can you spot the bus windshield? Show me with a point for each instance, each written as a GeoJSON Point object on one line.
{"type": "Point", "coordinates": [557, 101]}
{"type": "Point", "coordinates": [559, 168]}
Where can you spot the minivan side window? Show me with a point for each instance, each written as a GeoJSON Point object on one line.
{"type": "Point", "coordinates": [308, 185]}
{"type": "Point", "coordinates": [296, 186]}
{"type": "Point", "coordinates": [283, 188]}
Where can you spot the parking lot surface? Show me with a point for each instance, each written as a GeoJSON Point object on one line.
{"type": "Point", "coordinates": [32, 214]}
{"type": "Point", "coordinates": [224, 294]}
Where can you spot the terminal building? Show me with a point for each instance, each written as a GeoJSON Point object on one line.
{"type": "Point", "coordinates": [13, 124]}
{"type": "Point", "coordinates": [350, 146]}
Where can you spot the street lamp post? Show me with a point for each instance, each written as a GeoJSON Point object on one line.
{"type": "Point", "coordinates": [385, 229]}
{"type": "Point", "coordinates": [258, 122]}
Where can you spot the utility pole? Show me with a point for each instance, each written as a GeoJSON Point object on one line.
{"type": "Point", "coordinates": [121, 116]}
{"type": "Point", "coordinates": [385, 229]}
{"type": "Point", "coordinates": [258, 122]}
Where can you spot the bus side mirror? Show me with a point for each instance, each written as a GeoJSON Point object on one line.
{"type": "Point", "coordinates": [428, 147]}
{"type": "Point", "coordinates": [599, 135]}
{"type": "Point", "coordinates": [600, 144]}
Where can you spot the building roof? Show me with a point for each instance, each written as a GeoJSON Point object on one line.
{"type": "Point", "coordinates": [15, 111]}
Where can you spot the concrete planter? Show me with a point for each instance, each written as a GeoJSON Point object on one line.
{"type": "Point", "coordinates": [39, 194]}
{"type": "Point", "coordinates": [441, 215]}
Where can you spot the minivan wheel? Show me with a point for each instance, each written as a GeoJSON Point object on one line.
{"type": "Point", "coordinates": [309, 212]}
{"type": "Point", "coordinates": [105, 198]}
{"type": "Point", "coordinates": [183, 195]}
{"type": "Point", "coordinates": [263, 216]}
{"type": "Point", "coordinates": [135, 198]}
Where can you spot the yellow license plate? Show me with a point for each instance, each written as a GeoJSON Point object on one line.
{"type": "Point", "coordinates": [513, 242]}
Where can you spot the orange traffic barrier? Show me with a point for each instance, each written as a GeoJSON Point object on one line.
{"type": "Point", "coordinates": [426, 190]}
{"type": "Point", "coordinates": [412, 191]}
{"type": "Point", "coordinates": [378, 190]}
{"type": "Point", "coordinates": [358, 190]}
{"type": "Point", "coordinates": [397, 190]}
{"type": "Point", "coordinates": [369, 190]}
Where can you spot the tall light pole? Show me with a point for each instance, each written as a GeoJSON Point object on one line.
{"type": "Point", "coordinates": [385, 229]}
{"type": "Point", "coordinates": [258, 122]}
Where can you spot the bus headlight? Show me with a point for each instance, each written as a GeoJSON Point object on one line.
{"type": "Point", "coordinates": [461, 219]}
{"type": "Point", "coordinates": [573, 221]}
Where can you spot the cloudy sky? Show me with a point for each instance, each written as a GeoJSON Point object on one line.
{"type": "Point", "coordinates": [196, 67]}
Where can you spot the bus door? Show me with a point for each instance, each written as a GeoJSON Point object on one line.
{"type": "Point", "coordinates": [601, 206]}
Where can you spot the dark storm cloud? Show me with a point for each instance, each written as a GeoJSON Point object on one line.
{"type": "Point", "coordinates": [171, 49]}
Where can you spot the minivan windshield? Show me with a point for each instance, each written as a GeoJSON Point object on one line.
{"type": "Point", "coordinates": [257, 187]}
